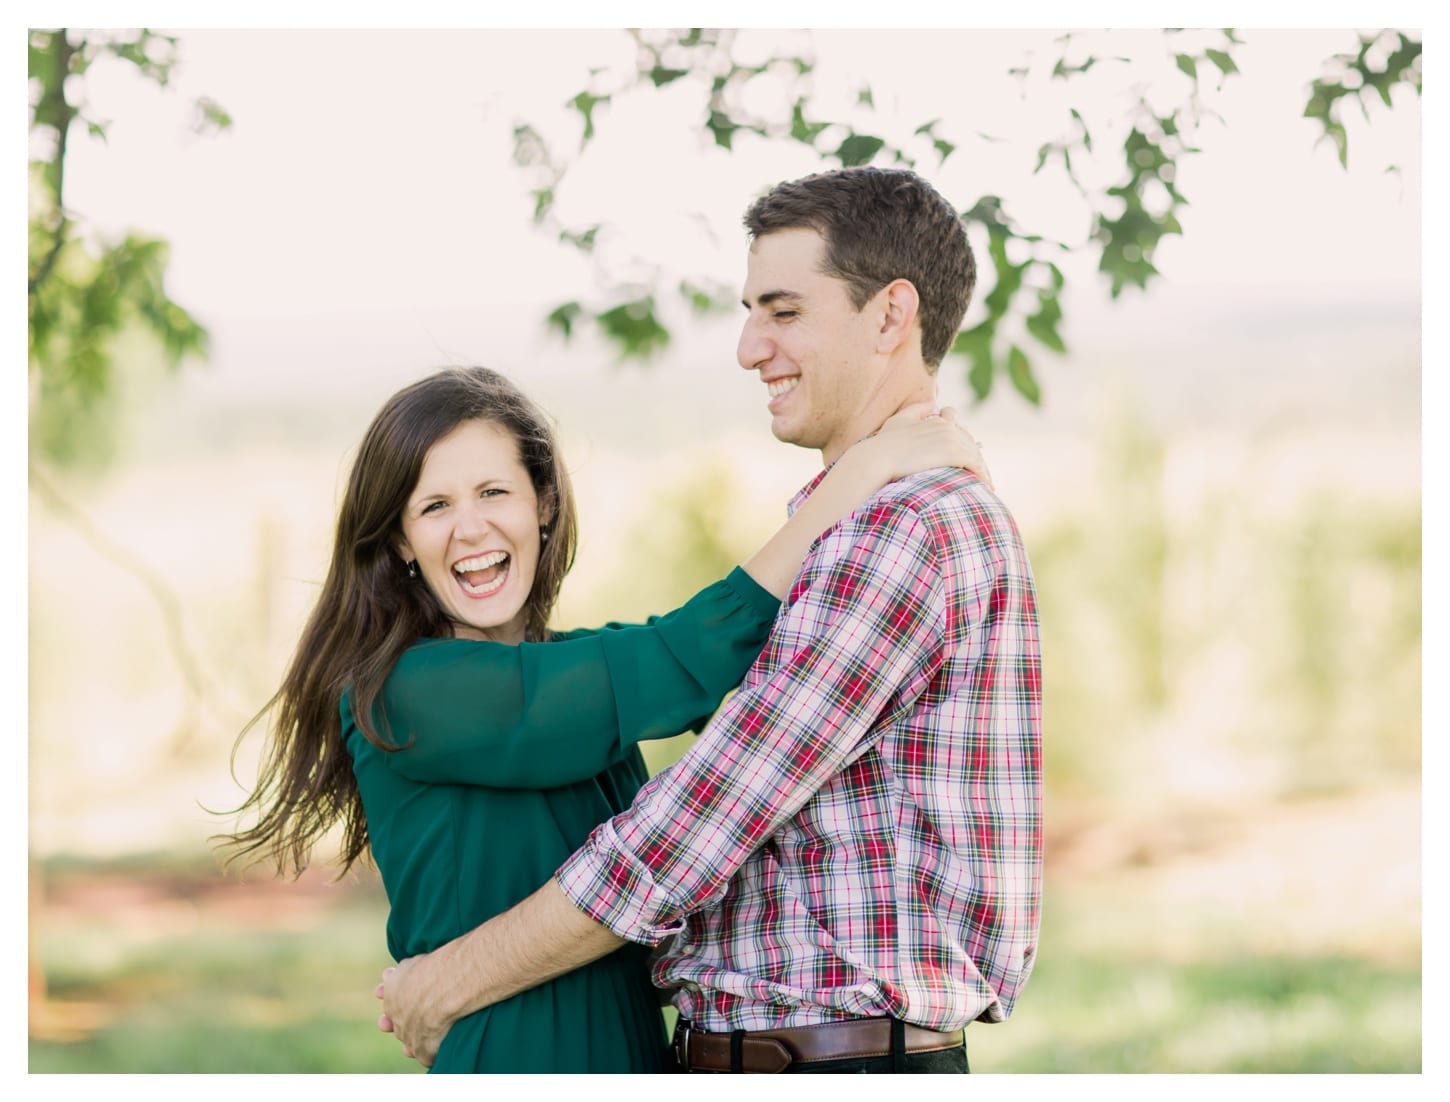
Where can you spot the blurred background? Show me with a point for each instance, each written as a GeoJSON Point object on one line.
{"type": "Point", "coordinates": [1194, 358]}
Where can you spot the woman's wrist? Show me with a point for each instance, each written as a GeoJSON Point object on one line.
{"type": "Point", "coordinates": [871, 467]}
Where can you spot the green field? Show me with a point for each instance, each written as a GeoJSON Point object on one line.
{"type": "Point", "coordinates": [173, 969]}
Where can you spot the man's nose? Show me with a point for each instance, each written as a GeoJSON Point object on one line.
{"type": "Point", "coordinates": [753, 349]}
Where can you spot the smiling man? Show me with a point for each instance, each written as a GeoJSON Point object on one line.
{"type": "Point", "coordinates": [849, 859]}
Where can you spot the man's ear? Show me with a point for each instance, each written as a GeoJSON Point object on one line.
{"type": "Point", "coordinates": [899, 305]}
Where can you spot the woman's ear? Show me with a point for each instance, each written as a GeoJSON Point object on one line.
{"type": "Point", "coordinates": [405, 550]}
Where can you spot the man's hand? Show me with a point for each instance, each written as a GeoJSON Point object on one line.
{"type": "Point", "coordinates": [408, 1013]}
{"type": "Point", "coordinates": [533, 941]}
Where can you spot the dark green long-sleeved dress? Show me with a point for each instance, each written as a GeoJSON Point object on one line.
{"type": "Point", "coordinates": [513, 755]}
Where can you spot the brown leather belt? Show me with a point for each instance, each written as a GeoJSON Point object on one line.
{"type": "Point", "coordinates": [774, 1050]}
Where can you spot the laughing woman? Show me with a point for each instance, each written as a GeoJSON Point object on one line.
{"type": "Point", "coordinates": [430, 710]}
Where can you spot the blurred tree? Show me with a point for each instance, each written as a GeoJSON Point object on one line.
{"type": "Point", "coordinates": [1126, 221]}
{"type": "Point", "coordinates": [86, 294]}
{"type": "Point", "coordinates": [92, 300]}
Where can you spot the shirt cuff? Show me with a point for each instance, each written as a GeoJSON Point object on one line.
{"type": "Point", "coordinates": [605, 882]}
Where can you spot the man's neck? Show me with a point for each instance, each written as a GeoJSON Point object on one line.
{"type": "Point", "coordinates": [878, 410]}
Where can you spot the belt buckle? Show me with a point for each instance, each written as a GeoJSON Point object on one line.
{"type": "Point", "coordinates": [682, 1047]}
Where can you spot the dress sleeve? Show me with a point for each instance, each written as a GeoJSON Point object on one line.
{"type": "Point", "coordinates": [540, 715]}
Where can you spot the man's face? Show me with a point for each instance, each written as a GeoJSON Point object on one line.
{"type": "Point", "coordinates": [814, 350]}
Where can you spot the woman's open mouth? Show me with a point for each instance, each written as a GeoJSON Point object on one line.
{"type": "Point", "coordinates": [482, 575]}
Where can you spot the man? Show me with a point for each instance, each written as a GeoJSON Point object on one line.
{"type": "Point", "coordinates": [850, 855]}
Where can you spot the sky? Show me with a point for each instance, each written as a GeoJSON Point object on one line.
{"type": "Point", "coordinates": [369, 170]}
{"type": "Point", "coordinates": [361, 222]}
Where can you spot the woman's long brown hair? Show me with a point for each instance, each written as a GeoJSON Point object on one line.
{"type": "Point", "coordinates": [370, 612]}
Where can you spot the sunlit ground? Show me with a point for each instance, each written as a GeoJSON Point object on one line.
{"type": "Point", "coordinates": [1225, 950]}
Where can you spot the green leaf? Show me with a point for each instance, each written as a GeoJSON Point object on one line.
{"type": "Point", "coordinates": [1187, 63]}
{"type": "Point", "coordinates": [944, 149]}
{"type": "Point", "coordinates": [634, 329]}
{"type": "Point", "coordinates": [210, 116]}
{"type": "Point", "coordinates": [562, 318]}
{"type": "Point", "coordinates": [865, 99]}
{"type": "Point", "coordinates": [703, 301]}
{"type": "Point", "coordinates": [1043, 324]}
{"type": "Point", "coordinates": [1019, 370]}
{"type": "Point", "coordinates": [976, 345]}
{"type": "Point", "coordinates": [801, 130]}
{"type": "Point", "coordinates": [662, 76]}
{"type": "Point", "coordinates": [858, 149]}
{"type": "Point", "coordinates": [723, 128]}
{"type": "Point", "coordinates": [1009, 275]}
{"type": "Point", "coordinates": [529, 146]}
{"type": "Point", "coordinates": [988, 211]}
{"type": "Point", "coordinates": [1222, 60]}
{"type": "Point", "coordinates": [543, 202]}
{"type": "Point", "coordinates": [584, 240]}
{"type": "Point", "coordinates": [1063, 70]}
{"type": "Point", "coordinates": [584, 103]}
{"type": "Point", "coordinates": [980, 375]}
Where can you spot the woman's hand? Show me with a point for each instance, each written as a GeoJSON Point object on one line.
{"type": "Point", "coordinates": [920, 438]}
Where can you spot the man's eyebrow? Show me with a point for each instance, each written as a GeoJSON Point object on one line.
{"type": "Point", "coordinates": [773, 296]}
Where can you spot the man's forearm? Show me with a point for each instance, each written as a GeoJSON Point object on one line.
{"type": "Point", "coordinates": [532, 942]}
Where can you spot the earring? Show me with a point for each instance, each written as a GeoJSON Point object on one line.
{"type": "Point", "coordinates": [543, 535]}
{"type": "Point", "coordinates": [413, 568]}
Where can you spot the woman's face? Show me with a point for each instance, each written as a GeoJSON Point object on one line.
{"type": "Point", "coordinates": [472, 525]}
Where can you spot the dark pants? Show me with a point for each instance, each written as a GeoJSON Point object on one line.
{"type": "Point", "coordinates": [948, 1061]}
{"type": "Point", "coordinates": [951, 1061]}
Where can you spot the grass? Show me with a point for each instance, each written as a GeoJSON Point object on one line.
{"type": "Point", "coordinates": [1131, 978]}
{"type": "Point", "coordinates": [206, 990]}
{"type": "Point", "coordinates": [1232, 1015]}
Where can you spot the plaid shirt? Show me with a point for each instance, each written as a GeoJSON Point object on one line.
{"type": "Point", "coordinates": [858, 831]}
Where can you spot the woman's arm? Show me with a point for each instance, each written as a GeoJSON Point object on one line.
{"type": "Point", "coordinates": [540, 715]}
{"type": "Point", "coordinates": [917, 439]}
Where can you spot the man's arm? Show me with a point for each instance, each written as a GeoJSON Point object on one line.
{"type": "Point", "coordinates": [529, 944]}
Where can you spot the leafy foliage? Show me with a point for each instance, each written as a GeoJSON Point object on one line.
{"type": "Point", "coordinates": [86, 297]}
{"type": "Point", "coordinates": [1128, 219]}
{"type": "Point", "coordinates": [1383, 61]}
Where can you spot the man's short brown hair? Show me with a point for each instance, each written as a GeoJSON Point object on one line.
{"type": "Point", "coordinates": [879, 225]}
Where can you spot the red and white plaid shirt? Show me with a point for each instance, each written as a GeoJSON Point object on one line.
{"type": "Point", "coordinates": [858, 831]}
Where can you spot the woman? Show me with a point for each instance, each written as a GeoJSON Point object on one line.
{"type": "Point", "coordinates": [430, 711]}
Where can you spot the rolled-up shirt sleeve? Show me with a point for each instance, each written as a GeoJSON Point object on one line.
{"type": "Point", "coordinates": [859, 640]}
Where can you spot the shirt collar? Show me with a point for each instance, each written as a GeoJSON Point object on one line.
{"type": "Point", "coordinates": [805, 491]}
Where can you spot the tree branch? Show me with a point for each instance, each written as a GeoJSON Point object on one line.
{"type": "Point", "coordinates": [58, 113]}
{"type": "Point", "coordinates": [193, 679]}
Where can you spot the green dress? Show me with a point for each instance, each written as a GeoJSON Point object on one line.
{"type": "Point", "coordinates": [512, 756]}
